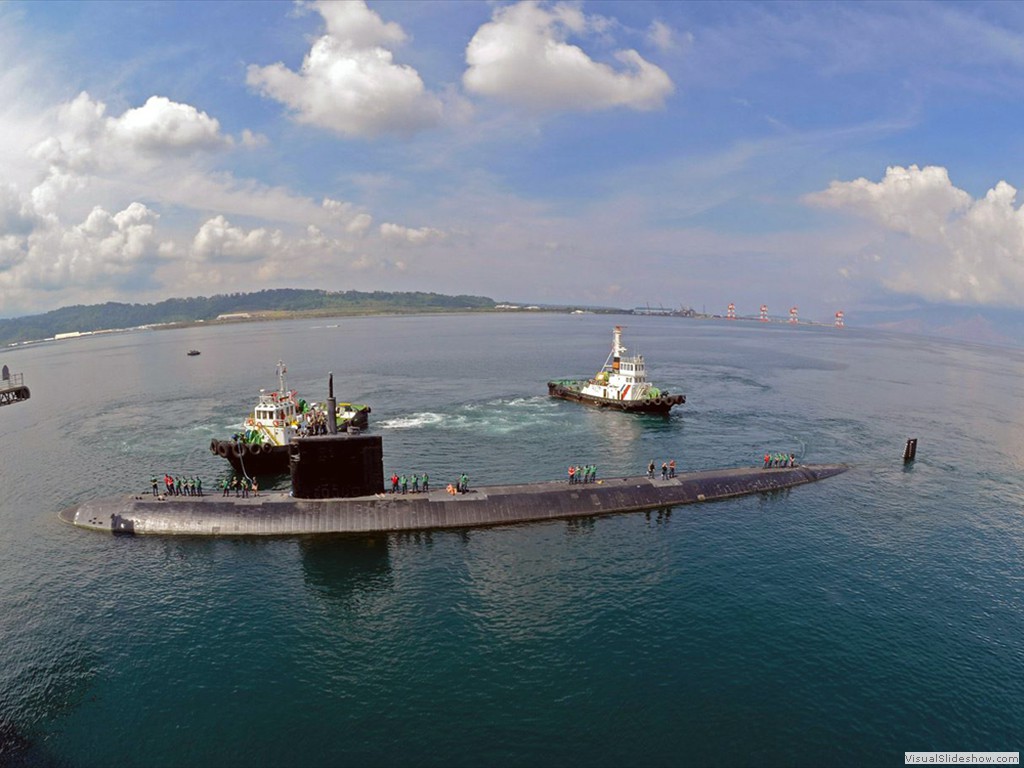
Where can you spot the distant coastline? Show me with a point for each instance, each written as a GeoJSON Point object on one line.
{"type": "Point", "coordinates": [282, 304]}
{"type": "Point", "coordinates": [278, 304]}
{"type": "Point", "coordinates": [963, 324]}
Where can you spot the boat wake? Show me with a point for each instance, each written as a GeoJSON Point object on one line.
{"type": "Point", "coordinates": [501, 416]}
{"type": "Point", "coordinates": [413, 421]}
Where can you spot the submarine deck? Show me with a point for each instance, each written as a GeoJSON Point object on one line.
{"type": "Point", "coordinates": [278, 513]}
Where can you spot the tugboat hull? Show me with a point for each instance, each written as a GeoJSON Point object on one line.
{"type": "Point", "coordinates": [251, 459]}
{"type": "Point", "coordinates": [660, 404]}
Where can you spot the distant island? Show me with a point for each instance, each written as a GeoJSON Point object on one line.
{"type": "Point", "coordinates": [235, 307]}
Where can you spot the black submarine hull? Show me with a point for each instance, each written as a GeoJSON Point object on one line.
{"type": "Point", "coordinates": [281, 514]}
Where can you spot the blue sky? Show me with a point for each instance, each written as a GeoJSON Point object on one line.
{"type": "Point", "coordinates": [827, 156]}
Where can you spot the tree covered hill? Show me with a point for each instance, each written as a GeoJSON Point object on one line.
{"type": "Point", "coordinates": [279, 301]}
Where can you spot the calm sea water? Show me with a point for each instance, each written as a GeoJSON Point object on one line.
{"type": "Point", "coordinates": [837, 624]}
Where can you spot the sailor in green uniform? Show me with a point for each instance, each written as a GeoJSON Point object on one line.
{"type": "Point", "coordinates": [426, 483]}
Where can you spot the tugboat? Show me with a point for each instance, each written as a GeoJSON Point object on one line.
{"type": "Point", "coordinates": [278, 417]}
{"type": "Point", "coordinates": [621, 384]}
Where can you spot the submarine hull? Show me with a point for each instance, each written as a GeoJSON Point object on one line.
{"type": "Point", "coordinates": [280, 514]}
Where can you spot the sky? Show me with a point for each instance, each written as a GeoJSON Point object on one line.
{"type": "Point", "coordinates": [830, 156]}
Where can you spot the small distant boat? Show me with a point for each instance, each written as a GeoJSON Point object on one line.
{"type": "Point", "coordinates": [261, 448]}
{"type": "Point", "coordinates": [621, 385]}
{"type": "Point", "coordinates": [193, 352]}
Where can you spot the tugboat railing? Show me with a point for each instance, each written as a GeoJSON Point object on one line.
{"type": "Point", "coordinates": [12, 388]}
{"type": "Point", "coordinates": [13, 381]}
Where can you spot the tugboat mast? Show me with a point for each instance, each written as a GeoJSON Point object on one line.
{"type": "Point", "coordinates": [617, 348]}
{"type": "Point", "coordinates": [281, 371]}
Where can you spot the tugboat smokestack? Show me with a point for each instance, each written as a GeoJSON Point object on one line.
{"type": "Point", "coordinates": [332, 406]}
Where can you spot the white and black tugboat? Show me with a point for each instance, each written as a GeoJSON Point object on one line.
{"type": "Point", "coordinates": [261, 447]}
{"type": "Point", "coordinates": [621, 384]}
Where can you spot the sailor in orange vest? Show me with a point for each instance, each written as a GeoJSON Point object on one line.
{"type": "Point", "coordinates": [572, 474]}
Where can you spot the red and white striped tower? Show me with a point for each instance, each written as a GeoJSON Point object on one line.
{"type": "Point", "coordinates": [839, 319]}
{"type": "Point", "coordinates": [793, 315]}
{"type": "Point", "coordinates": [764, 313]}
{"type": "Point", "coordinates": [730, 312]}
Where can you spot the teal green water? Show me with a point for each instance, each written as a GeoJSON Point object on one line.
{"type": "Point", "coordinates": [836, 624]}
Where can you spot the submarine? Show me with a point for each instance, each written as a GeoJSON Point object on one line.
{"type": "Point", "coordinates": [337, 488]}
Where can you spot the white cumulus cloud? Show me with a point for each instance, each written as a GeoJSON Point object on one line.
{"type": "Point", "coordinates": [349, 82]}
{"type": "Point", "coordinates": [522, 57]}
{"type": "Point", "coordinates": [218, 240]}
{"type": "Point", "coordinates": [105, 247]}
{"type": "Point", "coordinates": [88, 138]}
{"type": "Point", "coordinates": [396, 233]}
{"type": "Point", "coordinates": [953, 248]}
{"type": "Point", "coordinates": [356, 222]}
{"type": "Point", "coordinates": [164, 125]}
